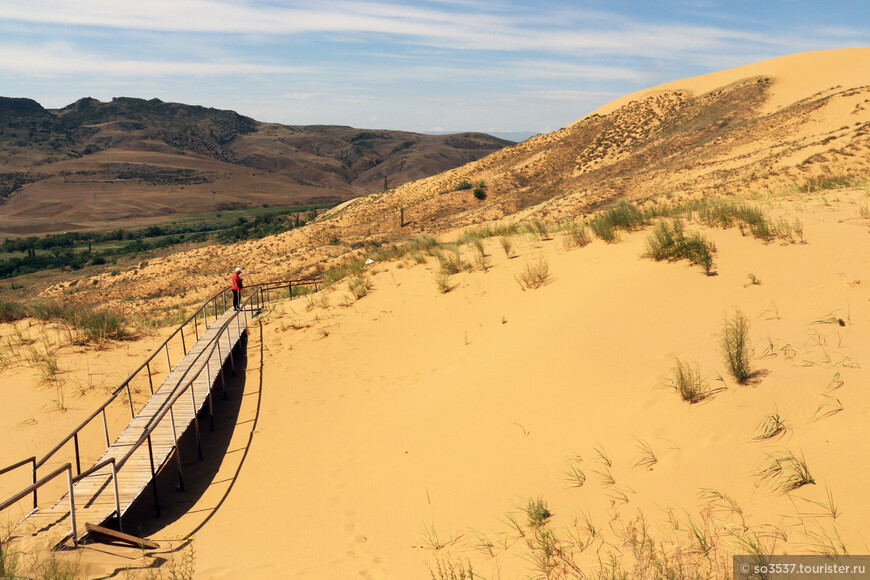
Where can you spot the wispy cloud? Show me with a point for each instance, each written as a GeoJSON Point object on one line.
{"type": "Point", "coordinates": [400, 61]}
{"type": "Point", "coordinates": [476, 27]}
{"type": "Point", "coordinates": [62, 59]}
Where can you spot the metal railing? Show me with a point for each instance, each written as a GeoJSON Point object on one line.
{"type": "Point", "coordinates": [253, 303]}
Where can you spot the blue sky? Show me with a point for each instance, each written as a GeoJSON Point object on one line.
{"type": "Point", "coordinates": [425, 66]}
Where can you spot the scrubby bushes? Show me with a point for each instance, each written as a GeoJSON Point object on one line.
{"type": "Point", "coordinates": [90, 325]}
{"type": "Point", "coordinates": [669, 241]}
{"type": "Point", "coordinates": [735, 347]}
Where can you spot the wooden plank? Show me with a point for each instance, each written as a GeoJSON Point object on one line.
{"type": "Point", "coordinates": [122, 537]}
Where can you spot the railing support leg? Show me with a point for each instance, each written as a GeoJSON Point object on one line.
{"type": "Point", "coordinates": [153, 477]}
{"type": "Point", "coordinates": [72, 505]}
{"type": "Point", "coordinates": [221, 371]}
{"type": "Point", "coordinates": [117, 497]}
{"type": "Point", "coordinates": [106, 429]}
{"type": "Point", "coordinates": [150, 380]}
{"type": "Point", "coordinates": [35, 498]}
{"type": "Point", "coordinates": [232, 354]}
{"type": "Point", "coordinates": [130, 400]}
{"type": "Point", "coordinates": [78, 457]}
{"type": "Point", "coordinates": [177, 450]}
{"type": "Point", "coordinates": [195, 422]}
{"type": "Point", "coordinates": [210, 407]}
{"type": "Point", "coordinates": [168, 362]}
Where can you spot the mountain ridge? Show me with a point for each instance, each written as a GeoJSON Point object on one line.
{"type": "Point", "coordinates": [66, 159]}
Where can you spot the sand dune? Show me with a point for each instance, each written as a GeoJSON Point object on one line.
{"type": "Point", "coordinates": [377, 435]}
{"type": "Point", "coordinates": [409, 417]}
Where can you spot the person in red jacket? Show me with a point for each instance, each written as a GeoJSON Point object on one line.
{"type": "Point", "coordinates": [237, 288]}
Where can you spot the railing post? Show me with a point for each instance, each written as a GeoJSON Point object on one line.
{"type": "Point", "coordinates": [78, 458]}
{"type": "Point", "coordinates": [150, 380]}
{"type": "Point", "coordinates": [196, 325]}
{"type": "Point", "coordinates": [224, 296]}
{"type": "Point", "coordinates": [183, 346]}
{"type": "Point", "coordinates": [177, 450]}
{"type": "Point", "coordinates": [290, 289]}
{"type": "Point", "coordinates": [221, 371]}
{"type": "Point", "coordinates": [153, 477]}
{"type": "Point", "coordinates": [106, 429]}
{"type": "Point", "coordinates": [230, 347]}
{"type": "Point", "coordinates": [72, 504]}
{"type": "Point", "coordinates": [117, 496]}
{"type": "Point", "coordinates": [208, 392]}
{"type": "Point", "coordinates": [195, 421]}
{"type": "Point", "coordinates": [168, 363]}
{"type": "Point", "coordinates": [35, 499]}
{"type": "Point", "coordinates": [130, 400]}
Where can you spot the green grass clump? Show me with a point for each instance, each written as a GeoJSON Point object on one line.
{"type": "Point", "coordinates": [786, 471]}
{"type": "Point", "coordinates": [481, 254]}
{"type": "Point", "coordinates": [735, 347]}
{"type": "Point", "coordinates": [670, 242]}
{"type": "Point", "coordinates": [506, 245]}
{"type": "Point", "coordinates": [535, 274]}
{"type": "Point", "coordinates": [727, 214]}
{"type": "Point", "coordinates": [537, 512]}
{"type": "Point", "coordinates": [622, 215]}
{"type": "Point", "coordinates": [337, 273]}
{"type": "Point", "coordinates": [11, 311]}
{"type": "Point", "coordinates": [463, 185]}
{"type": "Point", "coordinates": [828, 182]}
{"type": "Point", "coordinates": [446, 570]}
{"type": "Point", "coordinates": [771, 426]}
{"type": "Point", "coordinates": [92, 325]}
{"type": "Point", "coordinates": [576, 235]}
{"type": "Point", "coordinates": [359, 286]}
{"type": "Point", "coordinates": [538, 229]}
{"type": "Point", "coordinates": [489, 231]}
{"type": "Point", "coordinates": [424, 242]}
{"type": "Point", "coordinates": [688, 383]}
{"type": "Point", "coordinates": [450, 260]}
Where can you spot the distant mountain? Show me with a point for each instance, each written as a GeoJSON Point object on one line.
{"type": "Point", "coordinates": [130, 158]}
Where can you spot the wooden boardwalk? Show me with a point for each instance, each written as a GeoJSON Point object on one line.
{"type": "Point", "coordinates": [94, 495]}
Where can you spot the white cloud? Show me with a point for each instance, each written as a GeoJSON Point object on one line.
{"type": "Point", "coordinates": [571, 95]}
{"type": "Point", "coordinates": [55, 59]}
{"type": "Point", "coordinates": [485, 27]}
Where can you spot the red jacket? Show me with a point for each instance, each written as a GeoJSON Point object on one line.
{"type": "Point", "coordinates": [237, 281]}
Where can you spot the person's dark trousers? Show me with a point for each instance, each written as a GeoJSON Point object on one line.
{"type": "Point", "coordinates": [236, 298]}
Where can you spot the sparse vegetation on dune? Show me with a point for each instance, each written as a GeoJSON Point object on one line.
{"type": "Point", "coordinates": [535, 273]}
{"type": "Point", "coordinates": [687, 381]}
{"type": "Point", "coordinates": [84, 324]}
{"type": "Point", "coordinates": [576, 235]}
{"type": "Point", "coordinates": [670, 242]}
{"type": "Point", "coordinates": [736, 348]}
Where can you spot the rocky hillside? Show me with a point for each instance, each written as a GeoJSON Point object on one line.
{"type": "Point", "coordinates": [122, 159]}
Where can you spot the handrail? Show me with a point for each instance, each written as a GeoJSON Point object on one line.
{"type": "Point", "coordinates": [257, 297]}
{"type": "Point", "coordinates": [17, 465]}
{"type": "Point", "coordinates": [127, 381]}
{"type": "Point", "coordinates": [179, 390]}
{"type": "Point", "coordinates": [36, 485]}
